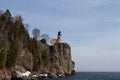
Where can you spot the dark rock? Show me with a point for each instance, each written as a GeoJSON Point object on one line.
{"type": "Point", "coordinates": [73, 72]}
{"type": "Point", "coordinates": [16, 78]}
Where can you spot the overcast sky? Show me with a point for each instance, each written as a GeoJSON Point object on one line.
{"type": "Point", "coordinates": [91, 27]}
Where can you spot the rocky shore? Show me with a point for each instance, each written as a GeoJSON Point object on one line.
{"type": "Point", "coordinates": [21, 55]}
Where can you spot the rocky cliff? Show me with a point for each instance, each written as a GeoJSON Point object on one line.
{"type": "Point", "coordinates": [61, 59]}
{"type": "Point", "coordinates": [20, 53]}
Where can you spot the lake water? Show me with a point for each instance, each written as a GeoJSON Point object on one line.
{"type": "Point", "coordinates": [92, 76]}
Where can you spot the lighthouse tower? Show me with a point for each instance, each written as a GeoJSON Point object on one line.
{"type": "Point", "coordinates": [59, 39]}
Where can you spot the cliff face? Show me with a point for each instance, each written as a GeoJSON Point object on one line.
{"type": "Point", "coordinates": [20, 53]}
{"type": "Point", "coordinates": [61, 59]}
{"type": "Point", "coordinates": [54, 59]}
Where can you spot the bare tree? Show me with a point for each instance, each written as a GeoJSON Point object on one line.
{"type": "Point", "coordinates": [45, 36]}
{"type": "Point", "coordinates": [36, 33]}
{"type": "Point", "coordinates": [1, 12]}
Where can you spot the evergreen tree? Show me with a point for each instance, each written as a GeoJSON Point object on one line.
{"type": "Point", "coordinates": [2, 58]}
{"type": "Point", "coordinates": [12, 56]}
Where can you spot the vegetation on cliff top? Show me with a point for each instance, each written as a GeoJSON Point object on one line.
{"type": "Point", "coordinates": [14, 37]}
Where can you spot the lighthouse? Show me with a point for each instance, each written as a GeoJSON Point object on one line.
{"type": "Point", "coordinates": [59, 37]}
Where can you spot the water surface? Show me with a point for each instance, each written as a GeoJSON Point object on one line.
{"type": "Point", "coordinates": [92, 76]}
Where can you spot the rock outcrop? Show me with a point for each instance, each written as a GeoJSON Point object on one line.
{"type": "Point", "coordinates": [5, 74]}
{"type": "Point", "coordinates": [20, 53]}
{"type": "Point", "coordinates": [61, 59]}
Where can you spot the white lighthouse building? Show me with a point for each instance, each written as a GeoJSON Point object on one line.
{"type": "Point", "coordinates": [59, 37]}
{"type": "Point", "coordinates": [58, 40]}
